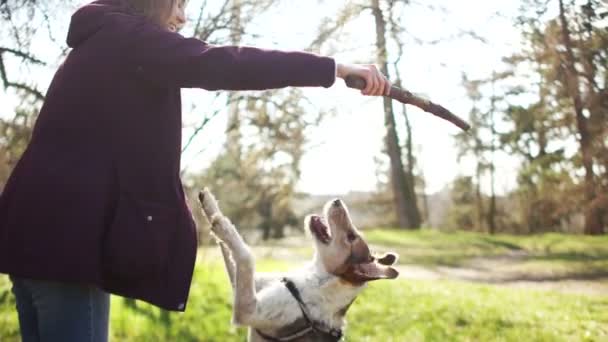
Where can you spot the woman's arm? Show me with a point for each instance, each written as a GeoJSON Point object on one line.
{"type": "Point", "coordinates": [167, 58]}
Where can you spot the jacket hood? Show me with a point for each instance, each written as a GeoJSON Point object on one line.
{"type": "Point", "coordinates": [88, 19]}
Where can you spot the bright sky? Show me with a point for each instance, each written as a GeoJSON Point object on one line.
{"type": "Point", "coordinates": [341, 156]}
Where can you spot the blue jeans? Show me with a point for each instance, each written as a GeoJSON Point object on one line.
{"type": "Point", "coordinates": [52, 311]}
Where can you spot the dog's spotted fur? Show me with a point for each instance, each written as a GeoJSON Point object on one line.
{"type": "Point", "coordinates": [341, 266]}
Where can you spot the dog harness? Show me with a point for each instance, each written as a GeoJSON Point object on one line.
{"type": "Point", "coordinates": [317, 330]}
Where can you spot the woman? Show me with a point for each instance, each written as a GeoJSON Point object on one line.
{"type": "Point", "coordinates": [95, 205]}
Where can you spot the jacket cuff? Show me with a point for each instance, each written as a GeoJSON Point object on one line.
{"type": "Point", "coordinates": [332, 69]}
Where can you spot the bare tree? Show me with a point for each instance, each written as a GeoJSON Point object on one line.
{"type": "Point", "coordinates": [593, 217]}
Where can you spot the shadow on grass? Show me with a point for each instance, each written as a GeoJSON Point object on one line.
{"type": "Point", "coordinates": [571, 256]}
{"type": "Point", "coordinates": [503, 244]}
{"type": "Point", "coordinates": [579, 276]}
{"type": "Point", "coordinates": [159, 316]}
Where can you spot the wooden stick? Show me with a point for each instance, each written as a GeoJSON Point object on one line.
{"type": "Point", "coordinates": [404, 96]}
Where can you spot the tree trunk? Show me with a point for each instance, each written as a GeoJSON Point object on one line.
{"type": "Point", "coordinates": [409, 150]}
{"type": "Point", "coordinates": [426, 217]}
{"type": "Point", "coordinates": [403, 190]}
{"type": "Point", "coordinates": [593, 222]}
{"type": "Point", "coordinates": [478, 198]}
{"type": "Point", "coordinates": [233, 125]}
{"type": "Point", "coordinates": [492, 210]}
{"type": "Point", "coordinates": [597, 114]}
{"type": "Point", "coordinates": [265, 211]}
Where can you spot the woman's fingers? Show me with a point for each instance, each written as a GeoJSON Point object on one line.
{"type": "Point", "coordinates": [387, 87]}
{"type": "Point", "coordinates": [376, 83]}
{"type": "Point", "coordinates": [379, 91]}
{"type": "Point", "coordinates": [384, 88]}
{"type": "Point", "coordinates": [369, 80]}
{"type": "Point", "coordinates": [374, 87]}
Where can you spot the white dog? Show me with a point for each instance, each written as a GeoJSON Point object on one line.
{"type": "Point", "coordinates": [309, 304]}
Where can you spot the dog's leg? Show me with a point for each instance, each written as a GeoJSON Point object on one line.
{"type": "Point", "coordinates": [228, 262]}
{"type": "Point", "coordinates": [211, 210]}
{"type": "Point", "coordinates": [243, 269]}
{"type": "Point", "coordinates": [244, 290]}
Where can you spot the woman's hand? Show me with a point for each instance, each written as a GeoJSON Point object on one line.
{"type": "Point", "coordinates": [376, 84]}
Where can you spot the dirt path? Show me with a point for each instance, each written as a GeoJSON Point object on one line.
{"type": "Point", "coordinates": [504, 271]}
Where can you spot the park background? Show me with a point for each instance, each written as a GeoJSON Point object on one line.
{"type": "Point", "coordinates": [501, 230]}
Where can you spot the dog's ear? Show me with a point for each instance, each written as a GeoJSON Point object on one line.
{"type": "Point", "coordinates": [360, 252]}
{"type": "Point", "coordinates": [361, 273]}
{"type": "Point", "coordinates": [387, 259]}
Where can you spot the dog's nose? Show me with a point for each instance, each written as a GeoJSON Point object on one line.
{"type": "Point", "coordinates": [337, 203]}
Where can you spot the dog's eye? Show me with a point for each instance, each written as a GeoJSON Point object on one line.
{"type": "Point", "coordinates": [351, 236]}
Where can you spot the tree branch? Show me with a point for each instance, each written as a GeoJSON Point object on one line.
{"type": "Point", "coordinates": [8, 84]}
{"type": "Point", "coordinates": [23, 55]}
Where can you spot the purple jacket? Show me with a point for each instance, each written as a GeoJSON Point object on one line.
{"type": "Point", "coordinates": [96, 197]}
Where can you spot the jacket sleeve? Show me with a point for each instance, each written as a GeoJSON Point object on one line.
{"type": "Point", "coordinates": [168, 58]}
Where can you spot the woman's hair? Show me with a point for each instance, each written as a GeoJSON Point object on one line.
{"type": "Point", "coordinates": [157, 10]}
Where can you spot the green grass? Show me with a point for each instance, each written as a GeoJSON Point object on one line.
{"type": "Point", "coordinates": [430, 247]}
{"type": "Point", "coordinates": [9, 326]}
{"type": "Point", "coordinates": [456, 311]}
{"type": "Point", "coordinates": [206, 318]}
{"type": "Point", "coordinates": [470, 243]}
{"type": "Point", "coordinates": [555, 254]}
{"type": "Point", "coordinates": [399, 310]}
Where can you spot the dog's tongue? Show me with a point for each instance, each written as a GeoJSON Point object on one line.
{"type": "Point", "coordinates": [360, 273]}
{"type": "Point", "coordinates": [374, 270]}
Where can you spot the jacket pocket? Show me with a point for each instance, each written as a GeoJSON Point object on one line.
{"type": "Point", "coordinates": [137, 242]}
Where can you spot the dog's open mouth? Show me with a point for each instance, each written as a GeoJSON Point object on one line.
{"type": "Point", "coordinates": [371, 271]}
{"type": "Point", "coordinates": [319, 229]}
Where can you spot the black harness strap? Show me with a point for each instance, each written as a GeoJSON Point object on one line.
{"type": "Point", "coordinates": [334, 334]}
{"type": "Point", "coordinates": [296, 294]}
{"type": "Point", "coordinates": [267, 337]}
{"type": "Point", "coordinates": [285, 338]}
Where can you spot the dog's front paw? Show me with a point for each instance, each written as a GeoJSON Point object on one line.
{"type": "Point", "coordinates": [225, 233]}
{"type": "Point", "coordinates": [222, 229]}
{"type": "Point", "coordinates": [209, 204]}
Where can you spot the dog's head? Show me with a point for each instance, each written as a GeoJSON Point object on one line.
{"type": "Point", "coordinates": [341, 250]}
